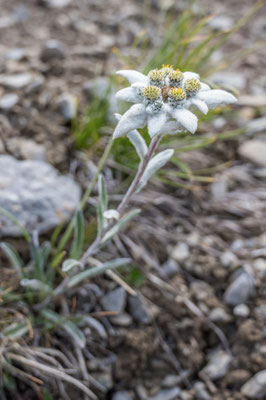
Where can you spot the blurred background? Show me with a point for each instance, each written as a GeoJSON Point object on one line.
{"type": "Point", "coordinates": [196, 329]}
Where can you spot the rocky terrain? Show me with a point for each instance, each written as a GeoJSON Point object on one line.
{"type": "Point", "coordinates": [194, 326]}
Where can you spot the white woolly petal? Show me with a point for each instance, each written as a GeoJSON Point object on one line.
{"type": "Point", "coordinates": [128, 94]}
{"type": "Point", "coordinates": [138, 85]}
{"type": "Point", "coordinates": [133, 76]}
{"type": "Point", "coordinates": [154, 164]}
{"type": "Point", "coordinates": [156, 123]}
{"type": "Point", "coordinates": [213, 98]}
{"type": "Point", "coordinates": [134, 118]}
{"type": "Point", "coordinates": [201, 105]}
{"type": "Point", "coordinates": [111, 214]}
{"type": "Point", "coordinates": [138, 142]}
{"type": "Point", "coordinates": [118, 116]}
{"type": "Point", "coordinates": [172, 127]}
{"type": "Point", "coordinates": [204, 87]}
{"type": "Point", "coordinates": [186, 118]}
{"type": "Point", "coordinates": [136, 139]}
{"type": "Point", "coordinates": [190, 75]}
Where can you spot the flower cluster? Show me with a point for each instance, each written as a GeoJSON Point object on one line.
{"type": "Point", "coordinates": [163, 100]}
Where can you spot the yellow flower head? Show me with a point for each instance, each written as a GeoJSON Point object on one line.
{"type": "Point", "coordinates": [166, 68]}
{"type": "Point", "coordinates": [175, 77]}
{"type": "Point", "coordinates": [177, 93]}
{"type": "Point", "coordinates": [151, 92]}
{"type": "Point", "coordinates": [192, 86]}
{"type": "Point", "coordinates": [156, 76]}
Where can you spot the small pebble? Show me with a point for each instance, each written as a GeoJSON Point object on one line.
{"type": "Point", "coordinates": [218, 365]}
{"type": "Point", "coordinates": [68, 106]}
{"type": "Point", "coordinates": [241, 310]}
{"type": "Point", "coordinates": [114, 300]}
{"type": "Point", "coordinates": [180, 252]}
{"type": "Point", "coordinates": [8, 101]}
{"type": "Point", "coordinates": [122, 395]}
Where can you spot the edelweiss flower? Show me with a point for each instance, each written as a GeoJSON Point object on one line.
{"type": "Point", "coordinates": [162, 101]}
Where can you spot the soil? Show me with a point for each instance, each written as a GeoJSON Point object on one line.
{"type": "Point", "coordinates": [210, 233]}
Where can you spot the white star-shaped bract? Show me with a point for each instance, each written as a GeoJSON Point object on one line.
{"type": "Point", "coordinates": [163, 99]}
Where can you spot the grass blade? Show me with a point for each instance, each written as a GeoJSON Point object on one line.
{"type": "Point", "coordinates": [16, 222]}
{"type": "Point", "coordinates": [92, 272]}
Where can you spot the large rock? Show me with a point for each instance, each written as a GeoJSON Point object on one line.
{"type": "Point", "coordinates": [255, 388]}
{"type": "Point", "coordinates": [35, 193]}
{"type": "Point", "coordinates": [254, 151]}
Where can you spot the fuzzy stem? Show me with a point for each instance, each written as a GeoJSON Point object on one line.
{"type": "Point", "coordinates": [122, 206]}
{"type": "Point", "coordinates": [142, 167]}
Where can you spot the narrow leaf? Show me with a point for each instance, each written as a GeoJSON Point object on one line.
{"type": "Point", "coordinates": [102, 192]}
{"type": "Point", "coordinates": [92, 272]}
{"type": "Point", "coordinates": [13, 257]}
{"type": "Point", "coordinates": [119, 225]}
{"type": "Point", "coordinates": [77, 244]}
{"type": "Point", "coordinates": [16, 330]}
{"type": "Point", "coordinates": [73, 331]}
{"type": "Point", "coordinates": [156, 163]}
{"type": "Point", "coordinates": [15, 221]}
{"type": "Point", "coordinates": [57, 259]}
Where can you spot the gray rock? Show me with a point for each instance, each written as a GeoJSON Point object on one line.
{"type": "Point", "coordinates": [219, 189]}
{"type": "Point", "coordinates": [260, 267]}
{"type": "Point", "coordinates": [53, 49]}
{"type": "Point", "coordinates": [115, 300]}
{"type": "Point", "coordinates": [201, 391]}
{"type": "Point", "coordinates": [8, 101]}
{"type": "Point", "coordinates": [228, 259]}
{"type": "Point", "coordinates": [35, 193]}
{"type": "Point", "coordinates": [241, 310]}
{"type": "Point", "coordinates": [256, 125]}
{"type": "Point", "coordinates": [170, 268]}
{"type": "Point", "coordinates": [167, 394]}
{"type": "Point", "coordinates": [218, 365]}
{"type": "Point", "coordinates": [15, 54]}
{"type": "Point", "coordinates": [254, 151]}
{"type": "Point", "coordinates": [122, 395]}
{"type": "Point", "coordinates": [19, 14]}
{"type": "Point", "coordinates": [122, 319]}
{"type": "Point", "coordinates": [180, 252]}
{"type": "Point", "coordinates": [239, 291]}
{"type": "Point", "coordinates": [26, 149]}
{"type": "Point", "coordinates": [138, 310]}
{"type": "Point", "coordinates": [260, 311]}
{"type": "Point", "coordinates": [56, 3]}
{"type": "Point", "coordinates": [221, 23]}
{"type": "Point", "coordinates": [35, 85]}
{"type": "Point", "coordinates": [255, 388]}
{"type": "Point", "coordinates": [68, 106]}
{"type": "Point", "coordinates": [218, 314]}
{"type": "Point", "coordinates": [16, 81]}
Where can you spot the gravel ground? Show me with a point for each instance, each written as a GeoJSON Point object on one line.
{"type": "Point", "coordinates": [195, 329]}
